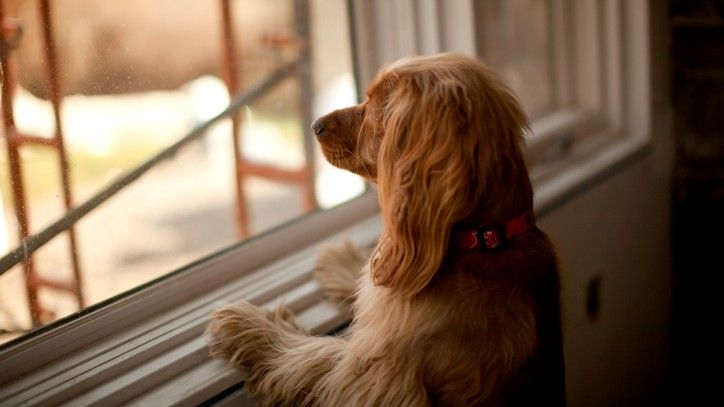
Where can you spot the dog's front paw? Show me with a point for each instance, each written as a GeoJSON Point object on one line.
{"type": "Point", "coordinates": [284, 318]}
{"type": "Point", "coordinates": [243, 335]}
{"type": "Point", "coordinates": [338, 270]}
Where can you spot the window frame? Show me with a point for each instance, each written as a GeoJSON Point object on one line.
{"type": "Point", "coordinates": [148, 346]}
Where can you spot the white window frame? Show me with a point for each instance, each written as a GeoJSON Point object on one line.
{"type": "Point", "coordinates": [148, 347]}
{"type": "Point", "coordinates": [600, 67]}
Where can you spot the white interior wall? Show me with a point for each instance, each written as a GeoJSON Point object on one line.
{"type": "Point", "coordinates": [618, 230]}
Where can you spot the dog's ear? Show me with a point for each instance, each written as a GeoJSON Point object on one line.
{"type": "Point", "coordinates": [427, 178]}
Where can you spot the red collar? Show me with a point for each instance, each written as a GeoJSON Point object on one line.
{"type": "Point", "coordinates": [495, 237]}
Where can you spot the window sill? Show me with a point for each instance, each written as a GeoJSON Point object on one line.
{"type": "Point", "coordinates": [148, 347]}
{"type": "Point", "coordinates": [578, 173]}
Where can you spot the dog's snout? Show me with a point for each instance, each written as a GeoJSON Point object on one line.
{"type": "Point", "coordinates": [318, 126]}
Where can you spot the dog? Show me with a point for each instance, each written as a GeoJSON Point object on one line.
{"type": "Point", "coordinates": [459, 303]}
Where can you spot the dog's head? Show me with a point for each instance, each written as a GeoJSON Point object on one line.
{"type": "Point", "coordinates": [441, 137]}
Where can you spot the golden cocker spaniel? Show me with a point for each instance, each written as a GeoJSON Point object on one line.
{"type": "Point", "coordinates": [459, 304]}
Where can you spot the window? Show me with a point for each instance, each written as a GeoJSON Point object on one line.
{"type": "Point", "coordinates": [569, 62]}
{"type": "Point", "coordinates": [566, 61]}
{"type": "Point", "coordinates": [515, 38]}
{"type": "Point", "coordinates": [135, 78]}
{"type": "Point", "coordinates": [147, 346]}
{"type": "Point", "coordinates": [563, 59]}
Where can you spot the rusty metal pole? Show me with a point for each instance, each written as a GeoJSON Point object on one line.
{"type": "Point", "coordinates": [16, 173]}
{"type": "Point", "coordinates": [56, 99]}
{"type": "Point", "coordinates": [306, 94]}
{"type": "Point", "coordinates": [231, 75]}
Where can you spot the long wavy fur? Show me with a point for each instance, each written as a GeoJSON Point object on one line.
{"type": "Point", "coordinates": [434, 162]}
{"type": "Point", "coordinates": [432, 324]}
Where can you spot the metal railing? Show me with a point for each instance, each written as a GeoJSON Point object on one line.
{"type": "Point", "coordinates": [34, 242]}
{"type": "Point", "coordinates": [303, 176]}
{"type": "Point", "coordinates": [33, 280]}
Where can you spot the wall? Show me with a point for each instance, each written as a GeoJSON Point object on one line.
{"type": "Point", "coordinates": [617, 232]}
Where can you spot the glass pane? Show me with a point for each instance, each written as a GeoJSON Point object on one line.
{"type": "Point", "coordinates": [137, 76]}
{"type": "Point", "coordinates": [513, 38]}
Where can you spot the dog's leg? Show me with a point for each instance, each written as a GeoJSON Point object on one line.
{"type": "Point", "coordinates": [283, 363]}
{"type": "Point", "coordinates": [338, 271]}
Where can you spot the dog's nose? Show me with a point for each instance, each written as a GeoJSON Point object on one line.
{"type": "Point", "coordinates": [318, 126]}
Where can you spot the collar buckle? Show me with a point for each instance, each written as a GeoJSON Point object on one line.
{"type": "Point", "coordinates": [493, 237]}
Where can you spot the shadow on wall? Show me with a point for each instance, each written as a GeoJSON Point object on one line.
{"type": "Point", "coordinates": [697, 34]}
